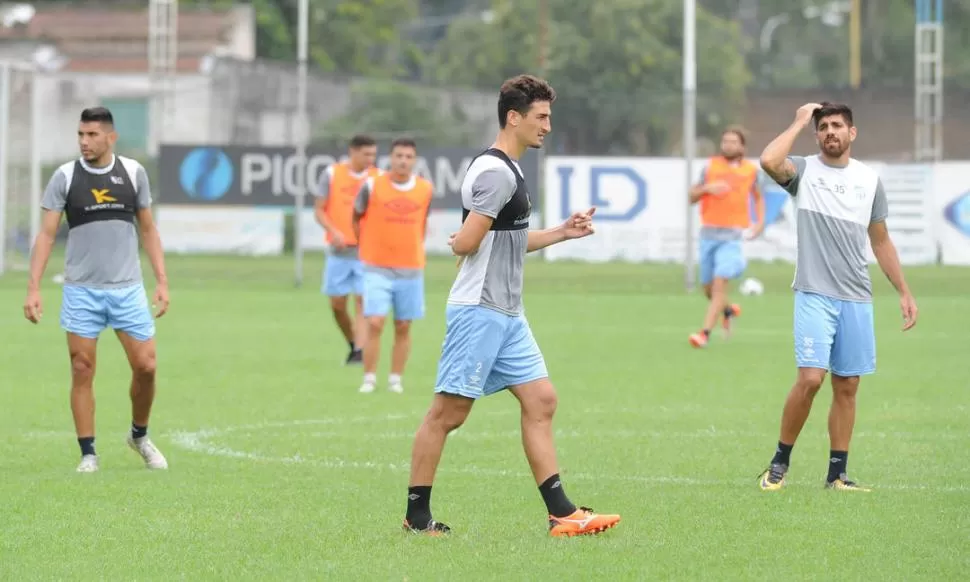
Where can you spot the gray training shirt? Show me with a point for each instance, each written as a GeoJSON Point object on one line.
{"type": "Point", "coordinates": [492, 277]}
{"type": "Point", "coordinates": [835, 208]}
{"type": "Point", "coordinates": [101, 254]}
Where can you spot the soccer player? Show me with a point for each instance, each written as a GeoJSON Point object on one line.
{"type": "Point", "coordinates": [343, 275]}
{"type": "Point", "coordinates": [488, 344]}
{"type": "Point", "coordinates": [103, 196]}
{"type": "Point", "coordinates": [390, 221]}
{"type": "Point", "coordinates": [840, 202]}
{"type": "Point", "coordinates": [724, 192]}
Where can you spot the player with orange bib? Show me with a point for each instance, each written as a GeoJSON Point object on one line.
{"type": "Point", "coordinates": [343, 274]}
{"type": "Point", "coordinates": [391, 219]}
{"type": "Point", "coordinates": [724, 193]}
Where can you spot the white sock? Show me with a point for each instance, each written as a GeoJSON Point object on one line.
{"type": "Point", "coordinates": [370, 378]}
{"type": "Point", "coordinates": [394, 379]}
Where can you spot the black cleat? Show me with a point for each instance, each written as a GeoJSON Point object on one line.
{"type": "Point", "coordinates": [434, 528]}
{"type": "Point", "coordinates": [355, 357]}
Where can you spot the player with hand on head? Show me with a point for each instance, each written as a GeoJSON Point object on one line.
{"type": "Point", "coordinates": [724, 193]}
{"type": "Point", "coordinates": [103, 196]}
{"type": "Point", "coordinates": [488, 344]}
{"type": "Point", "coordinates": [840, 203]}
{"type": "Point", "coordinates": [390, 221]}
{"type": "Point", "coordinates": [343, 274]}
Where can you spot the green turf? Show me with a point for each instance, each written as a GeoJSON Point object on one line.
{"type": "Point", "coordinates": [281, 470]}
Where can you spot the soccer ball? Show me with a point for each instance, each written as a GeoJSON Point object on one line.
{"type": "Point", "coordinates": [752, 286]}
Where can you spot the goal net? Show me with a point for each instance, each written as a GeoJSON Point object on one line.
{"type": "Point", "coordinates": [20, 169]}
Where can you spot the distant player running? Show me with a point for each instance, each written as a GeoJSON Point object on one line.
{"type": "Point", "coordinates": [343, 274]}
{"type": "Point", "coordinates": [839, 202]}
{"type": "Point", "coordinates": [391, 220]}
{"type": "Point", "coordinates": [488, 345]}
{"type": "Point", "coordinates": [103, 196]}
{"type": "Point", "coordinates": [724, 194]}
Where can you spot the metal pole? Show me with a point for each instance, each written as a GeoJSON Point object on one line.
{"type": "Point", "coordinates": [302, 131]}
{"type": "Point", "coordinates": [540, 153]}
{"type": "Point", "coordinates": [36, 119]}
{"type": "Point", "coordinates": [855, 44]}
{"type": "Point", "coordinates": [690, 132]}
{"type": "Point", "coordinates": [4, 166]}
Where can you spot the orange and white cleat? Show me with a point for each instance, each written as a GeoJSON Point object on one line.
{"type": "Point", "coordinates": [698, 340]}
{"type": "Point", "coordinates": [582, 522]}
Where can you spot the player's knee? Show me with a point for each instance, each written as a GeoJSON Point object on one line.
{"type": "Point", "coordinates": [845, 388]}
{"type": "Point", "coordinates": [402, 328]}
{"type": "Point", "coordinates": [144, 366]}
{"type": "Point", "coordinates": [375, 325]}
{"type": "Point", "coordinates": [541, 404]}
{"type": "Point", "coordinates": [707, 290]}
{"type": "Point", "coordinates": [810, 380]}
{"type": "Point", "coordinates": [338, 304]}
{"type": "Point", "coordinates": [447, 415]}
{"type": "Point", "coordinates": [82, 366]}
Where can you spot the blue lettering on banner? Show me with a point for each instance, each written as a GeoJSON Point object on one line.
{"type": "Point", "coordinates": [597, 199]}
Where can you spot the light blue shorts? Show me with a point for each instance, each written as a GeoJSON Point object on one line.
{"type": "Point", "coordinates": [86, 312]}
{"type": "Point", "coordinates": [723, 259]}
{"type": "Point", "coordinates": [382, 292]}
{"type": "Point", "coordinates": [834, 334]}
{"type": "Point", "coordinates": [485, 352]}
{"type": "Point", "coordinates": [343, 276]}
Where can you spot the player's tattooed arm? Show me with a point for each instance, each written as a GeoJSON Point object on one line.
{"type": "Point", "coordinates": [776, 160]}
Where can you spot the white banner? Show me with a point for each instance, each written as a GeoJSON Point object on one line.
{"type": "Point", "coordinates": [224, 229]}
{"type": "Point", "coordinates": [952, 226]}
{"type": "Point", "coordinates": [642, 210]}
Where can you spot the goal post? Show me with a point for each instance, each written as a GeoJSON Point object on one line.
{"type": "Point", "coordinates": [20, 165]}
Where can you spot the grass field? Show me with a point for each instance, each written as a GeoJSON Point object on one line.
{"type": "Point", "coordinates": [280, 470]}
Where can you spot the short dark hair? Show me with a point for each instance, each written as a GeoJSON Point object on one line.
{"type": "Point", "coordinates": [519, 93]}
{"type": "Point", "coordinates": [827, 109]}
{"type": "Point", "coordinates": [361, 141]}
{"type": "Point", "coordinates": [97, 114]}
{"type": "Point", "coordinates": [404, 142]}
{"type": "Point", "coordinates": [738, 131]}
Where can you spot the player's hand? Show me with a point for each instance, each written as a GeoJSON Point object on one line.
{"type": "Point", "coordinates": [718, 188]}
{"type": "Point", "coordinates": [33, 309]}
{"type": "Point", "coordinates": [338, 242]}
{"type": "Point", "coordinates": [805, 112]}
{"type": "Point", "coordinates": [451, 242]}
{"type": "Point", "coordinates": [756, 231]}
{"type": "Point", "coordinates": [160, 301]}
{"type": "Point", "coordinates": [907, 304]}
{"type": "Point", "coordinates": [580, 224]}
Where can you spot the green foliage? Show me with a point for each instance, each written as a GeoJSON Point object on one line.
{"type": "Point", "coordinates": [387, 109]}
{"type": "Point", "coordinates": [616, 66]}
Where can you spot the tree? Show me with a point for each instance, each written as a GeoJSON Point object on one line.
{"type": "Point", "coordinates": [616, 67]}
{"type": "Point", "coordinates": [386, 109]}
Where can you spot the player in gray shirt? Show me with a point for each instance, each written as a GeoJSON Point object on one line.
{"type": "Point", "coordinates": [841, 206]}
{"type": "Point", "coordinates": [488, 345]}
{"type": "Point", "coordinates": [103, 196]}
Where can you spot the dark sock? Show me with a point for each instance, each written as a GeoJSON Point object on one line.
{"type": "Point", "coordinates": [419, 506]}
{"type": "Point", "coordinates": [782, 454]}
{"type": "Point", "coordinates": [728, 313]}
{"type": "Point", "coordinates": [554, 495]}
{"type": "Point", "coordinates": [87, 445]}
{"type": "Point", "coordinates": [706, 332]}
{"type": "Point", "coordinates": [837, 463]}
{"type": "Point", "coordinates": [138, 432]}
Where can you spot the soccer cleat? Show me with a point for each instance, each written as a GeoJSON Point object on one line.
{"type": "Point", "coordinates": [149, 452]}
{"type": "Point", "coordinates": [354, 358]}
{"type": "Point", "coordinates": [367, 387]}
{"type": "Point", "coordinates": [396, 387]}
{"type": "Point", "coordinates": [730, 312]}
{"type": "Point", "coordinates": [698, 340]}
{"type": "Point", "coordinates": [434, 528]}
{"type": "Point", "coordinates": [843, 483]}
{"type": "Point", "coordinates": [773, 477]}
{"type": "Point", "coordinates": [582, 522]}
{"type": "Point", "coordinates": [89, 464]}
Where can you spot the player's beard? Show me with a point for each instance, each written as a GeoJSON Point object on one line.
{"type": "Point", "coordinates": [833, 148]}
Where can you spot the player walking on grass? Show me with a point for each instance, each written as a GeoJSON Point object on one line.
{"type": "Point", "coordinates": [343, 274]}
{"type": "Point", "coordinates": [390, 221]}
{"type": "Point", "coordinates": [103, 196]}
{"type": "Point", "coordinates": [724, 194]}
{"type": "Point", "coordinates": [840, 201]}
{"type": "Point", "coordinates": [488, 345]}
